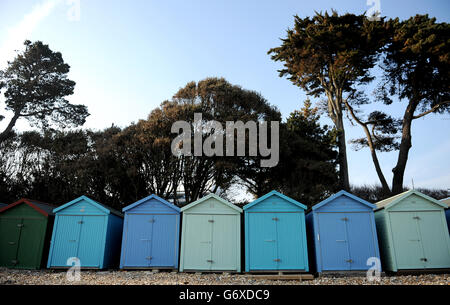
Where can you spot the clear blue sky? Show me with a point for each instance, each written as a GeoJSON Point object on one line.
{"type": "Point", "coordinates": [129, 56]}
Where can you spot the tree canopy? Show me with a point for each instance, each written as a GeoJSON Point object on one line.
{"type": "Point", "coordinates": [35, 86]}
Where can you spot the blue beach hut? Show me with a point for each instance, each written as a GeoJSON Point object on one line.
{"type": "Point", "coordinates": [87, 230]}
{"type": "Point", "coordinates": [151, 234]}
{"type": "Point", "coordinates": [275, 234]}
{"type": "Point", "coordinates": [343, 233]}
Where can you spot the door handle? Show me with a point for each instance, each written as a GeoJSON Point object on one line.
{"type": "Point", "coordinates": [210, 220]}
{"type": "Point", "coordinates": [80, 222]}
{"type": "Point", "coordinates": [275, 218]}
{"type": "Point", "coordinates": [424, 259]}
{"type": "Point", "coordinates": [151, 221]}
{"type": "Point", "coordinates": [416, 217]}
{"type": "Point", "coordinates": [149, 257]}
{"type": "Point", "coordinates": [11, 243]}
{"type": "Point", "coordinates": [344, 219]}
{"type": "Point", "coordinates": [349, 261]}
{"type": "Point", "coordinates": [270, 240]}
{"type": "Point", "coordinates": [20, 225]}
{"type": "Point", "coordinates": [277, 260]}
{"type": "Point", "coordinates": [72, 240]}
{"type": "Point", "coordinates": [209, 260]}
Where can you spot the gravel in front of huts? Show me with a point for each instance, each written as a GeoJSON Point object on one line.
{"type": "Point", "coordinates": [58, 277]}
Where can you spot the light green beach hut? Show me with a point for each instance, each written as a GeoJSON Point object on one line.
{"type": "Point", "coordinates": [412, 232]}
{"type": "Point", "coordinates": [211, 235]}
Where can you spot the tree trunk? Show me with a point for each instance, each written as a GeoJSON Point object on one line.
{"type": "Point", "coordinates": [5, 134]}
{"type": "Point", "coordinates": [405, 145]}
{"type": "Point", "coordinates": [342, 157]}
{"type": "Point", "coordinates": [373, 152]}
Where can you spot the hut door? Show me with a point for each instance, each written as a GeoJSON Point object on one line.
{"type": "Point", "coordinates": [138, 240]}
{"type": "Point", "coordinates": [163, 240]}
{"type": "Point", "coordinates": [197, 256]}
{"type": "Point", "coordinates": [91, 240]}
{"type": "Point", "coordinates": [290, 241]}
{"type": "Point", "coordinates": [407, 241]}
{"type": "Point", "coordinates": [263, 241]}
{"type": "Point", "coordinates": [65, 244]}
{"type": "Point", "coordinates": [333, 241]}
{"type": "Point", "coordinates": [28, 254]}
{"type": "Point", "coordinates": [9, 242]}
{"type": "Point", "coordinates": [433, 237]}
{"type": "Point", "coordinates": [224, 234]}
{"type": "Point", "coordinates": [360, 239]}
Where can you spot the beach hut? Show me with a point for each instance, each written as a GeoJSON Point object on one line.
{"type": "Point", "coordinates": [210, 236]}
{"type": "Point", "coordinates": [342, 233]}
{"type": "Point", "coordinates": [86, 230]}
{"type": "Point", "coordinates": [25, 228]}
{"type": "Point", "coordinates": [150, 234]}
{"type": "Point", "coordinates": [275, 234]}
{"type": "Point", "coordinates": [447, 211]}
{"type": "Point", "coordinates": [413, 232]}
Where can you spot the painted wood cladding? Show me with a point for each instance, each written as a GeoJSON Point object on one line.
{"type": "Point", "coordinates": [275, 234]}
{"type": "Point", "coordinates": [86, 230]}
{"type": "Point", "coordinates": [210, 239]}
{"type": "Point", "coordinates": [413, 232]}
{"type": "Point", "coordinates": [24, 234]}
{"type": "Point", "coordinates": [151, 234]}
{"type": "Point", "coordinates": [342, 230]}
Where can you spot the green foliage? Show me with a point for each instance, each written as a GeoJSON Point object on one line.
{"type": "Point", "coordinates": [35, 85]}
{"type": "Point", "coordinates": [375, 193]}
{"type": "Point", "coordinates": [417, 63]}
{"type": "Point", "coordinates": [307, 170]}
{"type": "Point", "coordinates": [329, 52]}
{"type": "Point", "coordinates": [330, 55]}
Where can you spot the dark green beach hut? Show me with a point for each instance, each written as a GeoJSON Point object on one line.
{"type": "Point", "coordinates": [25, 228]}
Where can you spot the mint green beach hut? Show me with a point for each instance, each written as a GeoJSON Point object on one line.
{"type": "Point", "coordinates": [211, 235]}
{"type": "Point", "coordinates": [412, 232]}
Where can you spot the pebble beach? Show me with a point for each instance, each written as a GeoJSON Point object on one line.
{"type": "Point", "coordinates": [114, 277]}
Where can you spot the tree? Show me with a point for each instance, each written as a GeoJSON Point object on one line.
{"type": "Point", "coordinates": [36, 85]}
{"type": "Point", "coordinates": [307, 169]}
{"type": "Point", "coordinates": [329, 55]}
{"type": "Point", "coordinates": [221, 101]}
{"type": "Point", "coordinates": [380, 135]}
{"type": "Point", "coordinates": [417, 70]}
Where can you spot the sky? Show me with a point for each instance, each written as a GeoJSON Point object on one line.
{"type": "Point", "coordinates": [127, 57]}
